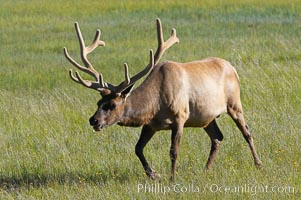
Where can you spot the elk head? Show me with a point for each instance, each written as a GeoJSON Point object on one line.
{"type": "Point", "coordinates": [111, 106]}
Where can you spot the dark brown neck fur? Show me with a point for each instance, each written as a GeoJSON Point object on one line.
{"type": "Point", "coordinates": [142, 104]}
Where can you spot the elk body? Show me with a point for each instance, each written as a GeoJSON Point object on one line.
{"type": "Point", "coordinates": [173, 96]}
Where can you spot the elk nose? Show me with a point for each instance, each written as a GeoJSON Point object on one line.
{"type": "Point", "coordinates": [93, 121]}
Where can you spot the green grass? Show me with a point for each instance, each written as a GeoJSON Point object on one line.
{"type": "Point", "coordinates": [48, 149]}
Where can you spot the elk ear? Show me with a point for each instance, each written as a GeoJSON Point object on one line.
{"type": "Point", "coordinates": [125, 93]}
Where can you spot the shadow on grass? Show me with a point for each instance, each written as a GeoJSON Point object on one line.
{"type": "Point", "coordinates": [30, 180]}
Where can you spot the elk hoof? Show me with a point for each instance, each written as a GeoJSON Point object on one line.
{"type": "Point", "coordinates": [258, 164]}
{"type": "Point", "coordinates": [172, 179]}
{"type": "Point", "coordinates": [153, 175]}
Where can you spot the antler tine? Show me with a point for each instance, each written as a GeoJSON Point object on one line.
{"type": "Point", "coordinates": [163, 46]}
{"type": "Point", "coordinates": [96, 42]}
{"type": "Point", "coordinates": [73, 77]}
{"type": "Point", "coordinates": [80, 80]}
{"type": "Point", "coordinates": [72, 61]}
{"type": "Point", "coordinates": [147, 69]}
{"type": "Point", "coordinates": [126, 74]}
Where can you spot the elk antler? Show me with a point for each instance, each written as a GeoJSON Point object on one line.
{"type": "Point", "coordinates": [85, 50]}
{"type": "Point", "coordinates": [99, 84]}
{"type": "Point", "coordinates": [162, 47]}
{"type": "Point", "coordinates": [130, 81]}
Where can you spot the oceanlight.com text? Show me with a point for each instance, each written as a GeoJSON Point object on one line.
{"type": "Point", "coordinates": [213, 188]}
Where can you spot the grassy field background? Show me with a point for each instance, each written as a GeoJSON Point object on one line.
{"type": "Point", "coordinates": [48, 149]}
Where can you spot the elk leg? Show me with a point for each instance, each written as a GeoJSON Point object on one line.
{"type": "Point", "coordinates": [238, 118]}
{"type": "Point", "coordinates": [146, 134]}
{"type": "Point", "coordinates": [174, 148]}
{"type": "Point", "coordinates": [216, 137]}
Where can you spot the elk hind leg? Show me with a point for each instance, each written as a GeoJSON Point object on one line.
{"type": "Point", "coordinates": [176, 135]}
{"type": "Point", "coordinates": [236, 114]}
{"type": "Point", "coordinates": [216, 137]}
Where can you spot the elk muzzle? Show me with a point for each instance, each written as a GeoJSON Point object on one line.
{"type": "Point", "coordinates": [95, 123]}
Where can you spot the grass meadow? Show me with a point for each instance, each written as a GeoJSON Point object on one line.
{"type": "Point", "coordinates": [48, 149]}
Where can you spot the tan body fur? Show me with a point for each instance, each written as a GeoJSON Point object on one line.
{"type": "Point", "coordinates": [183, 91]}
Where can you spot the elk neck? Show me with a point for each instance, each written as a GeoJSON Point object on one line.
{"type": "Point", "coordinates": [140, 106]}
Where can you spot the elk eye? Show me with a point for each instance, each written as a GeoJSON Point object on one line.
{"type": "Point", "coordinates": [109, 106]}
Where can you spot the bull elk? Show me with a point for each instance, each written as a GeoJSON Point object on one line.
{"type": "Point", "coordinates": [173, 96]}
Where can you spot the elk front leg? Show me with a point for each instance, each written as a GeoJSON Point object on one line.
{"type": "Point", "coordinates": [177, 132]}
{"type": "Point", "coordinates": [216, 137]}
{"type": "Point", "coordinates": [146, 134]}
